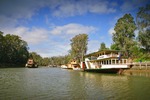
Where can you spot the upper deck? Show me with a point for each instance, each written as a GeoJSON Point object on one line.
{"type": "Point", "coordinates": [106, 54]}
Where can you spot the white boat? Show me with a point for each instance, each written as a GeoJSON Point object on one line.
{"type": "Point", "coordinates": [64, 66]}
{"type": "Point", "coordinates": [106, 61]}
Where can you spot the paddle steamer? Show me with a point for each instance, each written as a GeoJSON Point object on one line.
{"type": "Point", "coordinates": [107, 61]}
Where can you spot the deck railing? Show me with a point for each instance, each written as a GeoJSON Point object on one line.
{"type": "Point", "coordinates": [141, 65]}
{"type": "Point", "coordinates": [103, 56]}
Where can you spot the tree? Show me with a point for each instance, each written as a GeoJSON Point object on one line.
{"type": "Point", "coordinates": [143, 23]}
{"type": "Point", "coordinates": [1, 46]}
{"type": "Point", "coordinates": [13, 50]}
{"type": "Point", "coordinates": [124, 32]}
{"type": "Point", "coordinates": [16, 49]}
{"type": "Point", "coordinates": [102, 46]}
{"type": "Point", "coordinates": [79, 46]}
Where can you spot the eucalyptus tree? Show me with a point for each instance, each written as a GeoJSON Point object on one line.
{"type": "Point", "coordinates": [1, 46]}
{"type": "Point", "coordinates": [103, 46]}
{"type": "Point", "coordinates": [143, 23]}
{"type": "Point", "coordinates": [124, 35]}
{"type": "Point", "coordinates": [114, 47]}
{"type": "Point", "coordinates": [79, 46]}
{"type": "Point", "coordinates": [16, 49]}
{"type": "Point", "coordinates": [13, 50]}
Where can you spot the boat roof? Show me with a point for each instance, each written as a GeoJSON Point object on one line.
{"type": "Point", "coordinates": [103, 51]}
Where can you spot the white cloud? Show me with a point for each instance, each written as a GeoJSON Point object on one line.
{"type": "Point", "coordinates": [111, 31]}
{"type": "Point", "coordinates": [71, 8]}
{"type": "Point", "coordinates": [73, 29]}
{"type": "Point", "coordinates": [54, 49]}
{"type": "Point", "coordinates": [31, 35]}
{"type": "Point", "coordinates": [36, 35]}
{"type": "Point", "coordinates": [101, 7]}
{"type": "Point", "coordinates": [93, 46]}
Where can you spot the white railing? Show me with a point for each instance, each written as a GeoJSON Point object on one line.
{"type": "Point", "coordinates": [107, 56]}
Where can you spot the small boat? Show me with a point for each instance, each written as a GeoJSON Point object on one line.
{"type": "Point", "coordinates": [77, 68]}
{"type": "Point", "coordinates": [74, 65]}
{"type": "Point", "coordinates": [31, 64]}
{"type": "Point", "coordinates": [106, 61]}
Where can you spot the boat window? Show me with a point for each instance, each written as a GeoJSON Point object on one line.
{"type": "Point", "coordinates": [109, 61]}
{"type": "Point", "coordinates": [117, 61]}
{"type": "Point", "coordinates": [125, 61]}
{"type": "Point", "coordinates": [113, 62]}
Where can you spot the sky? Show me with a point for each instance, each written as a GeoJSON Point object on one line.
{"type": "Point", "coordinates": [49, 25]}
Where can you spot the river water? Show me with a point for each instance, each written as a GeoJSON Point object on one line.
{"type": "Point", "coordinates": [61, 84]}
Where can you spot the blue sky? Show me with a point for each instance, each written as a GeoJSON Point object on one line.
{"type": "Point", "coordinates": [48, 25]}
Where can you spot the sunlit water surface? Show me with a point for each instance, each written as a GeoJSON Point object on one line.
{"type": "Point", "coordinates": [60, 84]}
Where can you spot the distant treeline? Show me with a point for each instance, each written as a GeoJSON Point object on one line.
{"type": "Point", "coordinates": [50, 61]}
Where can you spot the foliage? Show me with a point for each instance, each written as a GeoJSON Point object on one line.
{"type": "Point", "coordinates": [114, 47]}
{"type": "Point", "coordinates": [50, 61]}
{"type": "Point", "coordinates": [103, 47]}
{"type": "Point", "coordinates": [59, 60]}
{"type": "Point", "coordinates": [143, 23]}
{"type": "Point", "coordinates": [1, 47]}
{"type": "Point", "coordinates": [79, 46]}
{"type": "Point", "coordinates": [55, 61]}
{"type": "Point", "coordinates": [124, 32]}
{"type": "Point", "coordinates": [13, 50]}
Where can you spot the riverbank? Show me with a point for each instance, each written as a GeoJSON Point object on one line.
{"type": "Point", "coordinates": [138, 68]}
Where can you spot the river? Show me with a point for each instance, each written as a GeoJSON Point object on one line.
{"type": "Point", "coordinates": [61, 84]}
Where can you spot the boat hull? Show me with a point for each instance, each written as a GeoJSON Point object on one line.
{"type": "Point", "coordinates": [112, 70]}
{"type": "Point", "coordinates": [76, 68]}
{"type": "Point", "coordinates": [31, 66]}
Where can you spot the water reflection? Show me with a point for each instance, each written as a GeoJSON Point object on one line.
{"type": "Point", "coordinates": [55, 83]}
{"type": "Point", "coordinates": [145, 74]}
{"type": "Point", "coordinates": [106, 86]}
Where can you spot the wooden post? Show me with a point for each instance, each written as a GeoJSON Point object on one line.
{"type": "Point", "coordinates": [146, 66]}
{"type": "Point", "coordinates": [140, 65]}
